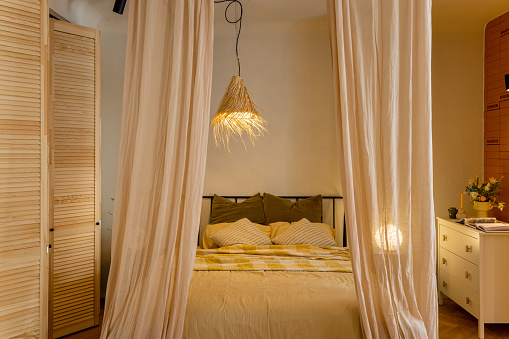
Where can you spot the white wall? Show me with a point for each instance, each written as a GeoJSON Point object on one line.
{"type": "Point", "coordinates": [457, 82]}
{"type": "Point", "coordinates": [286, 67]}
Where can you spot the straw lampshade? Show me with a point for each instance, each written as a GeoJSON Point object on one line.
{"type": "Point", "coordinates": [237, 115]}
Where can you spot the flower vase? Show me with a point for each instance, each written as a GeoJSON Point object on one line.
{"type": "Point", "coordinates": [482, 208]}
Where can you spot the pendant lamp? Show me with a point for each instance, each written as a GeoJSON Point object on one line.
{"type": "Point", "coordinates": [237, 115]}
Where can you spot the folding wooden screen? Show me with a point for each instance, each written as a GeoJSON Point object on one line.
{"type": "Point", "coordinates": [49, 173]}
{"type": "Point", "coordinates": [23, 169]}
{"type": "Point", "coordinates": [75, 173]}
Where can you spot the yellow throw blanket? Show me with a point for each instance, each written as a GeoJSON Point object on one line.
{"type": "Point", "coordinates": [301, 258]}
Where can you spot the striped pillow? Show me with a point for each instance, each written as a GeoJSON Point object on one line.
{"type": "Point", "coordinates": [242, 231]}
{"type": "Point", "coordinates": [303, 232]}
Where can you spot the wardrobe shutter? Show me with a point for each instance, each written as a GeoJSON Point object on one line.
{"type": "Point", "coordinates": [23, 169]}
{"type": "Point", "coordinates": [75, 123]}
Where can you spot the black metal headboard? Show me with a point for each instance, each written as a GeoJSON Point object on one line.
{"type": "Point", "coordinates": [334, 199]}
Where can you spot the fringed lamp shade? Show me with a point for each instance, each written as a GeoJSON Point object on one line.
{"type": "Point", "coordinates": [237, 115]}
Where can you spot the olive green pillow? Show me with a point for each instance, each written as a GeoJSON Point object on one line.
{"type": "Point", "coordinates": [280, 209]}
{"type": "Point", "coordinates": [224, 210]}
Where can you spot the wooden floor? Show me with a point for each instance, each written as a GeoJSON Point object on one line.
{"type": "Point", "coordinates": [454, 323]}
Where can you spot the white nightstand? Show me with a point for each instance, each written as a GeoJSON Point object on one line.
{"type": "Point", "coordinates": [473, 270]}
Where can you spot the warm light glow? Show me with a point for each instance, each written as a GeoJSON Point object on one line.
{"type": "Point", "coordinates": [390, 237]}
{"type": "Point", "coordinates": [243, 115]}
{"type": "Point", "coordinates": [236, 115]}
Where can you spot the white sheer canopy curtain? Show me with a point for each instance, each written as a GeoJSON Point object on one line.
{"type": "Point", "coordinates": [382, 73]}
{"type": "Point", "coordinates": [161, 166]}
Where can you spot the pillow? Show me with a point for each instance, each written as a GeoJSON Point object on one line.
{"type": "Point", "coordinates": [303, 232]}
{"type": "Point", "coordinates": [208, 243]}
{"type": "Point", "coordinates": [224, 210]}
{"type": "Point", "coordinates": [277, 228]}
{"type": "Point", "coordinates": [240, 232]}
{"type": "Point", "coordinates": [280, 209]}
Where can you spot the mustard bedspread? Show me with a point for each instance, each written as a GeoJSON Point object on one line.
{"type": "Point", "coordinates": [305, 258]}
{"type": "Point", "coordinates": [243, 292]}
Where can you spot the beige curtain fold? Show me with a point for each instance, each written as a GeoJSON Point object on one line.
{"type": "Point", "coordinates": [161, 167]}
{"type": "Point", "coordinates": [382, 73]}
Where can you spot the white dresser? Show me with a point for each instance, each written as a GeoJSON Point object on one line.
{"type": "Point", "coordinates": [473, 270]}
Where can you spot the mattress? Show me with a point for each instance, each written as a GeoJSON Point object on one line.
{"type": "Point", "coordinates": [273, 303]}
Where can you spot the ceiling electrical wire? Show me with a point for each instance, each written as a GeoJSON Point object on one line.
{"type": "Point", "coordinates": [239, 21]}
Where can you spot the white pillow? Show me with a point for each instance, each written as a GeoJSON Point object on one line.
{"type": "Point", "coordinates": [214, 228]}
{"type": "Point", "coordinates": [276, 228]}
{"type": "Point", "coordinates": [242, 231]}
{"type": "Point", "coordinates": [303, 232]}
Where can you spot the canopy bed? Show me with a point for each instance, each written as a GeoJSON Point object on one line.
{"type": "Point", "coordinates": [381, 66]}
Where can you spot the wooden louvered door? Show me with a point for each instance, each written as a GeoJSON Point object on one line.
{"type": "Point", "coordinates": [23, 169]}
{"type": "Point", "coordinates": [75, 173]}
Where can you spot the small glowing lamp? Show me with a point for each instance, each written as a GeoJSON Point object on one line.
{"type": "Point", "coordinates": [388, 238]}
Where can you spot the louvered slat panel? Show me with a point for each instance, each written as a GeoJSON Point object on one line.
{"type": "Point", "coordinates": [23, 169]}
{"type": "Point", "coordinates": [75, 117]}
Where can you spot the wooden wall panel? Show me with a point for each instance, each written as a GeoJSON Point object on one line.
{"type": "Point", "coordinates": [23, 169]}
{"type": "Point", "coordinates": [496, 101]}
{"type": "Point", "coordinates": [75, 173]}
{"type": "Point", "coordinates": [504, 155]}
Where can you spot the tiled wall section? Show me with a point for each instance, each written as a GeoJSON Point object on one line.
{"type": "Point", "coordinates": [496, 106]}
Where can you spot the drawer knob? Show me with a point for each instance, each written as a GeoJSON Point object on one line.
{"type": "Point", "coordinates": [468, 248]}
{"type": "Point", "coordinates": [467, 274]}
{"type": "Point", "coordinates": [468, 301]}
{"type": "Point", "coordinates": [444, 261]}
{"type": "Point", "coordinates": [444, 237]}
{"type": "Point", "coordinates": [444, 284]}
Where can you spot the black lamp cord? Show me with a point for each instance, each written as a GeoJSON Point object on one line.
{"type": "Point", "coordinates": [239, 20]}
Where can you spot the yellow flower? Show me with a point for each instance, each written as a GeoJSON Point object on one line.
{"type": "Point", "coordinates": [479, 186]}
{"type": "Point", "coordinates": [483, 198]}
{"type": "Point", "coordinates": [493, 180]}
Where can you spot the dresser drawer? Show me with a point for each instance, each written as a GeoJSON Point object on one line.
{"type": "Point", "coordinates": [459, 268]}
{"type": "Point", "coordinates": [461, 294]}
{"type": "Point", "coordinates": [463, 245]}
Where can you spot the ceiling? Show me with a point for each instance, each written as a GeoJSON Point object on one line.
{"type": "Point", "coordinates": [449, 15]}
{"type": "Point", "coordinates": [466, 15]}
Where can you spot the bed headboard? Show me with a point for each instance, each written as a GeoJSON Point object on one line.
{"type": "Point", "coordinates": [332, 212]}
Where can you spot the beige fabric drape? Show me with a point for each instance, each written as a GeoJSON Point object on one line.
{"type": "Point", "coordinates": [161, 167]}
{"type": "Point", "coordinates": [382, 73]}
